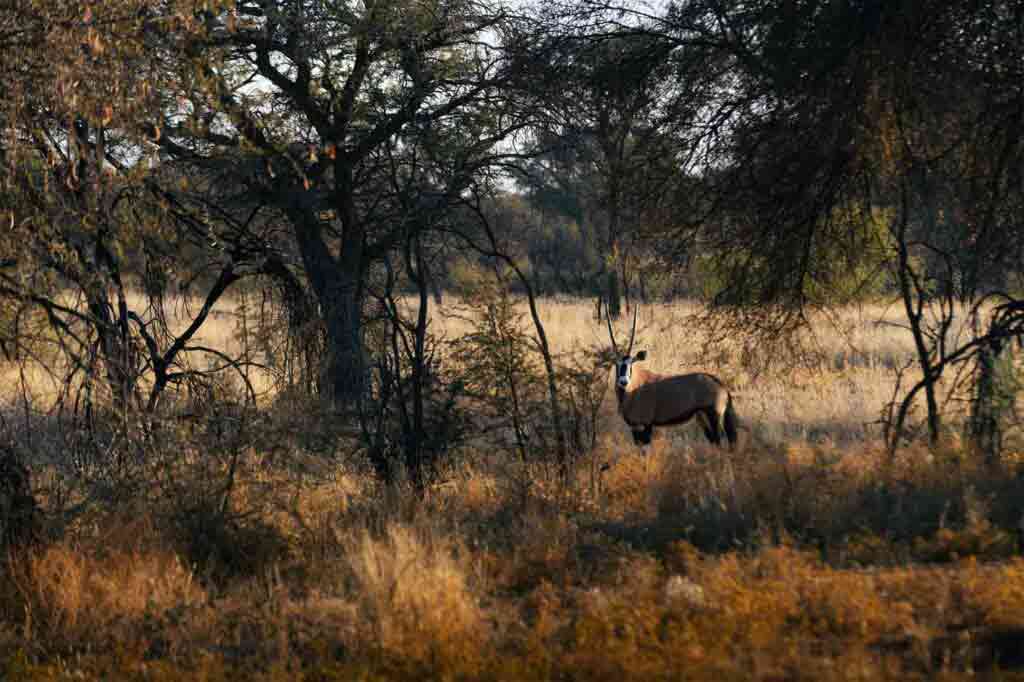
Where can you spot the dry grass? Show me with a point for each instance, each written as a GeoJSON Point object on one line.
{"type": "Point", "coordinates": [72, 595]}
{"type": "Point", "coordinates": [415, 599]}
{"type": "Point", "coordinates": [838, 399]}
{"type": "Point", "coordinates": [809, 555]}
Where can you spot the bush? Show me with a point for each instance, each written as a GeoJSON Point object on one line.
{"type": "Point", "coordinates": [849, 263]}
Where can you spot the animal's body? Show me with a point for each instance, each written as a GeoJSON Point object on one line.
{"type": "Point", "coordinates": [647, 399]}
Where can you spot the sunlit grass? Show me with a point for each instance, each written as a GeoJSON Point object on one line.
{"type": "Point", "coordinates": [840, 399]}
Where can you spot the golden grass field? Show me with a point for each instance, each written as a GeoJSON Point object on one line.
{"type": "Point", "coordinates": [809, 555]}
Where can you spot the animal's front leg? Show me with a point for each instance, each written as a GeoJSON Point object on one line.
{"type": "Point", "coordinates": [643, 436]}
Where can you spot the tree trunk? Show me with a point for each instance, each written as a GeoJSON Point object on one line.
{"type": "Point", "coordinates": [342, 314]}
{"type": "Point", "coordinates": [988, 406]}
{"type": "Point", "coordinates": [613, 295]}
{"type": "Point", "coordinates": [337, 282]}
{"type": "Point", "coordinates": [614, 285]}
{"type": "Point", "coordinates": [931, 401]}
{"type": "Point", "coordinates": [984, 413]}
{"type": "Point", "coordinates": [549, 368]}
{"type": "Point", "coordinates": [913, 302]}
{"type": "Point", "coordinates": [115, 349]}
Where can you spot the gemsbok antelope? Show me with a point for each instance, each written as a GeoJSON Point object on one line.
{"type": "Point", "coordinates": [647, 399]}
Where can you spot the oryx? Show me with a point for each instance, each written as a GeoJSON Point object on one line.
{"type": "Point", "coordinates": [647, 399]}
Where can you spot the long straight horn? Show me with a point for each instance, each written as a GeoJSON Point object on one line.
{"type": "Point", "coordinates": [608, 319]}
{"type": "Point", "coordinates": [632, 332]}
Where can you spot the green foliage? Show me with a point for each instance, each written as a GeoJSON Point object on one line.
{"type": "Point", "coordinates": [503, 372]}
{"type": "Point", "coordinates": [501, 369]}
{"type": "Point", "coordinates": [466, 276]}
{"type": "Point", "coordinates": [849, 261]}
{"type": "Point", "coordinates": [412, 421]}
{"type": "Point", "coordinates": [1009, 380]}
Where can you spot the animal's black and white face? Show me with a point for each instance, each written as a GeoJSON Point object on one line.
{"type": "Point", "coordinates": [624, 368]}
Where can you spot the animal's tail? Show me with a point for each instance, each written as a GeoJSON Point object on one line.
{"type": "Point", "coordinates": [731, 423]}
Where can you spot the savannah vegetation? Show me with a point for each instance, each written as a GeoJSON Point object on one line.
{"type": "Point", "coordinates": [305, 366]}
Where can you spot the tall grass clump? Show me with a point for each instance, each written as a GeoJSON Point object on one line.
{"type": "Point", "coordinates": [417, 599]}
{"type": "Point", "coordinates": [78, 597]}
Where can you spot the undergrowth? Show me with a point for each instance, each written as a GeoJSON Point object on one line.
{"type": "Point", "coordinates": [797, 562]}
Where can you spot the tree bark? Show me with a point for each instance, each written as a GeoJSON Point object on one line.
{"type": "Point", "coordinates": [346, 365]}
{"type": "Point", "coordinates": [337, 283]}
{"type": "Point", "coordinates": [989, 404]}
{"type": "Point", "coordinates": [613, 295]}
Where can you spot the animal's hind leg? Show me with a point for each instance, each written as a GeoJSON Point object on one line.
{"type": "Point", "coordinates": [705, 426]}
{"type": "Point", "coordinates": [709, 420]}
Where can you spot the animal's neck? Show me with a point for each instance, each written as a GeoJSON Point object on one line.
{"type": "Point", "coordinates": [640, 376]}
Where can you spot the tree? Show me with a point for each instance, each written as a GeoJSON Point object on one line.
{"type": "Point", "coordinates": [826, 106]}
{"type": "Point", "coordinates": [601, 149]}
{"type": "Point", "coordinates": [326, 94]}
{"type": "Point", "coordinates": [84, 216]}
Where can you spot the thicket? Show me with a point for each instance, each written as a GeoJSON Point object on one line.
{"type": "Point", "coordinates": [228, 549]}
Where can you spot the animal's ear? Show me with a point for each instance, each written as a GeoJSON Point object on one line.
{"type": "Point", "coordinates": [642, 355]}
